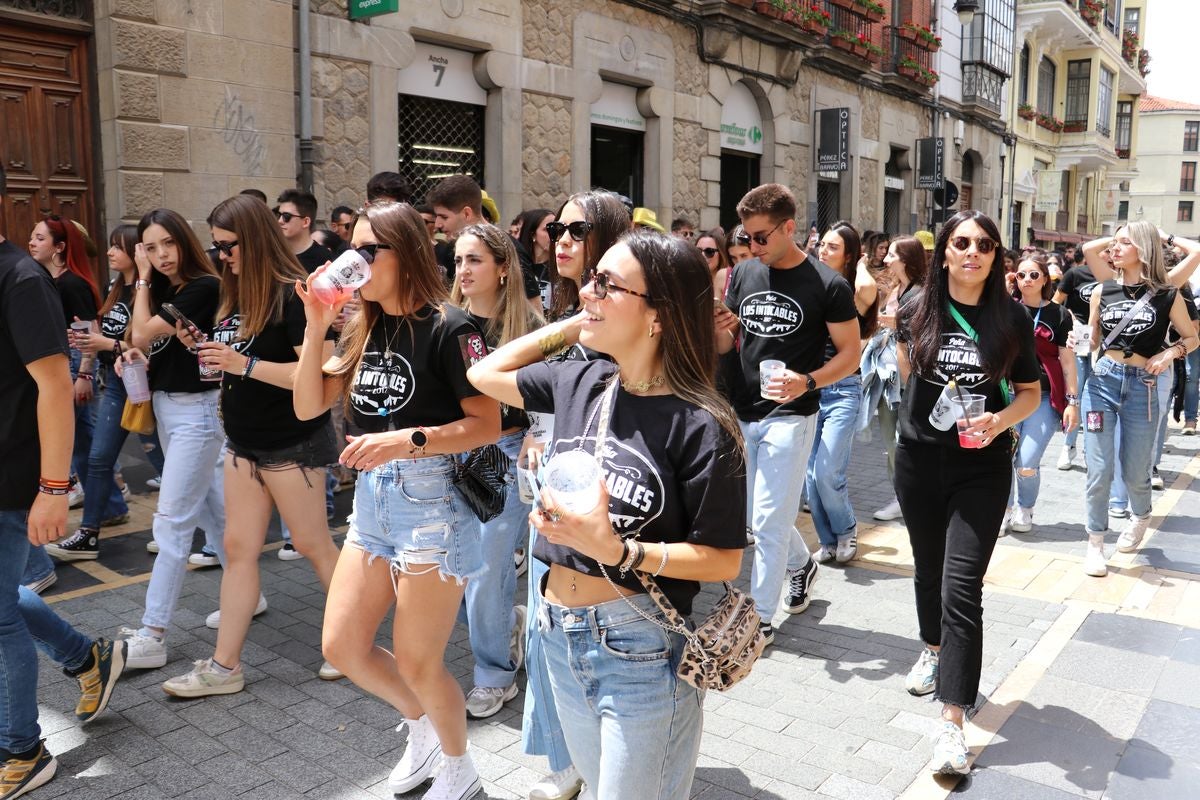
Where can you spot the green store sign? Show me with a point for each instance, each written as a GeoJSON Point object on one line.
{"type": "Point", "coordinates": [360, 9]}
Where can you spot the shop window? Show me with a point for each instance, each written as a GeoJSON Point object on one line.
{"type": "Point", "coordinates": [439, 138]}
{"type": "Point", "coordinates": [617, 159]}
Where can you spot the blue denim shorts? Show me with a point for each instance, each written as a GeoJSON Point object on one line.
{"type": "Point", "coordinates": [408, 512]}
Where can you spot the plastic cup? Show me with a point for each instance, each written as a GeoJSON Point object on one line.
{"type": "Point", "coordinates": [1083, 338]}
{"type": "Point", "coordinates": [766, 371]}
{"type": "Point", "coordinates": [525, 469]}
{"type": "Point", "coordinates": [968, 408]}
{"type": "Point", "coordinates": [348, 272]}
{"type": "Point", "coordinates": [207, 373]}
{"type": "Point", "coordinates": [136, 380]}
{"type": "Point", "coordinates": [574, 477]}
{"type": "Point", "coordinates": [79, 329]}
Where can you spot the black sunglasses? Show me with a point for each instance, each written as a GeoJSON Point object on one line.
{"type": "Point", "coordinates": [578, 230]}
{"type": "Point", "coordinates": [1033, 276]}
{"type": "Point", "coordinates": [709, 252]}
{"type": "Point", "coordinates": [367, 251]}
{"type": "Point", "coordinates": [759, 239]}
{"type": "Point", "coordinates": [226, 247]}
{"type": "Point", "coordinates": [602, 284]}
{"type": "Point", "coordinates": [286, 216]}
{"type": "Point", "coordinates": [983, 243]}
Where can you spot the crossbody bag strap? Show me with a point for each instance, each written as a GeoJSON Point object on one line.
{"type": "Point", "coordinates": [1005, 387]}
{"type": "Point", "coordinates": [1133, 311]}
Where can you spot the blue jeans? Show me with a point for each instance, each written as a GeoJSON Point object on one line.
{"type": "Point", "coordinates": [777, 451]}
{"type": "Point", "coordinates": [192, 494]}
{"type": "Point", "coordinates": [489, 598]}
{"type": "Point", "coordinates": [1035, 431]}
{"type": "Point", "coordinates": [1119, 498]}
{"type": "Point", "coordinates": [633, 728]}
{"type": "Point", "coordinates": [1083, 370]}
{"type": "Point", "coordinates": [1130, 395]}
{"type": "Point", "coordinates": [541, 730]}
{"type": "Point", "coordinates": [828, 496]}
{"type": "Point", "coordinates": [1191, 389]}
{"type": "Point", "coordinates": [26, 623]}
{"type": "Point", "coordinates": [107, 439]}
{"type": "Point", "coordinates": [85, 422]}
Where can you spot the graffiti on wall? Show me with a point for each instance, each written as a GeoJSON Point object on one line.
{"type": "Point", "coordinates": [236, 123]}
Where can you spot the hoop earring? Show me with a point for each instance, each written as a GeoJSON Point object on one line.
{"type": "Point", "coordinates": [58, 260]}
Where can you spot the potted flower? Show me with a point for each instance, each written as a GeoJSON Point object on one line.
{"type": "Point", "coordinates": [846, 4]}
{"type": "Point", "coordinates": [909, 68]}
{"type": "Point", "coordinates": [1075, 126]}
{"type": "Point", "coordinates": [1026, 111]}
{"type": "Point", "coordinates": [771, 8]}
{"type": "Point", "coordinates": [844, 40]}
{"type": "Point", "coordinates": [1091, 11]}
{"type": "Point", "coordinates": [874, 51]}
{"type": "Point", "coordinates": [815, 19]}
{"type": "Point", "coordinates": [1129, 47]}
{"type": "Point", "coordinates": [920, 35]}
{"type": "Point", "coordinates": [1144, 62]}
{"type": "Point", "coordinates": [1050, 123]}
{"type": "Point", "coordinates": [870, 9]}
{"type": "Point", "coordinates": [929, 77]}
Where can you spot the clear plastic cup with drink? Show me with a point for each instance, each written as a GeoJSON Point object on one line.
{"type": "Point", "coordinates": [338, 281]}
{"type": "Point", "coordinates": [135, 376]}
{"type": "Point", "coordinates": [79, 331]}
{"type": "Point", "coordinates": [968, 408]}
{"type": "Point", "coordinates": [768, 370]}
{"type": "Point", "coordinates": [574, 479]}
{"type": "Point", "coordinates": [527, 464]}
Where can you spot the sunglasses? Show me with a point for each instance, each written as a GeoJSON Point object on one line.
{"type": "Point", "coordinates": [983, 243]}
{"type": "Point", "coordinates": [578, 230]}
{"type": "Point", "coordinates": [601, 284]}
{"type": "Point", "coordinates": [367, 251]}
{"type": "Point", "coordinates": [1033, 276]}
{"type": "Point", "coordinates": [286, 216]}
{"type": "Point", "coordinates": [226, 247]}
{"type": "Point", "coordinates": [709, 252]}
{"type": "Point", "coordinates": [759, 239]}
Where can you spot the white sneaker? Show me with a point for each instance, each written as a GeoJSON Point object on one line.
{"type": "Point", "coordinates": [889, 512]}
{"type": "Point", "coordinates": [1065, 457]}
{"type": "Point", "coordinates": [421, 756]}
{"type": "Point", "coordinates": [825, 553]}
{"type": "Point", "coordinates": [1095, 563]}
{"type": "Point", "coordinates": [75, 496]}
{"type": "Point", "coordinates": [42, 584]}
{"type": "Point", "coordinates": [486, 701]}
{"type": "Point", "coordinates": [1021, 520]}
{"type": "Point", "coordinates": [458, 780]}
{"type": "Point", "coordinates": [152, 546]}
{"type": "Point", "coordinates": [516, 640]}
{"type": "Point", "coordinates": [557, 785]}
{"type": "Point", "coordinates": [205, 680]}
{"type": "Point", "coordinates": [1156, 481]}
{"type": "Point", "coordinates": [1004, 523]}
{"type": "Point", "coordinates": [213, 620]}
{"type": "Point", "coordinates": [154, 484]}
{"type": "Point", "coordinates": [1133, 535]}
{"type": "Point", "coordinates": [205, 558]}
{"type": "Point", "coordinates": [922, 678]}
{"type": "Point", "coordinates": [289, 553]}
{"type": "Point", "coordinates": [521, 560]}
{"type": "Point", "coordinates": [328, 672]}
{"type": "Point", "coordinates": [143, 652]}
{"type": "Point", "coordinates": [847, 547]}
{"type": "Point", "coordinates": [950, 751]}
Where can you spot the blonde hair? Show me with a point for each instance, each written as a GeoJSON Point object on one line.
{"type": "Point", "coordinates": [512, 318]}
{"type": "Point", "coordinates": [1146, 239]}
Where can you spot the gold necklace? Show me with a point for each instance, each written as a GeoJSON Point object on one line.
{"type": "Point", "coordinates": [641, 387]}
{"type": "Point", "coordinates": [388, 340]}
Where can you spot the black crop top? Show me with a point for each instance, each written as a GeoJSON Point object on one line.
{"type": "Point", "coordinates": [1145, 333]}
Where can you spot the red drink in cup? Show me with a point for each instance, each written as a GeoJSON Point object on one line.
{"type": "Point", "coordinates": [338, 281]}
{"type": "Point", "coordinates": [968, 409]}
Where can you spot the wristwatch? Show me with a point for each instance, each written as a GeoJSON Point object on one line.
{"type": "Point", "coordinates": [811, 383]}
{"type": "Point", "coordinates": [418, 439]}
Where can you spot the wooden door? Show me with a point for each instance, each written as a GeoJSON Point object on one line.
{"type": "Point", "coordinates": [45, 124]}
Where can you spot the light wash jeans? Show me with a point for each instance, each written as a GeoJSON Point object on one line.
{"type": "Point", "coordinates": [1035, 431]}
{"type": "Point", "coordinates": [1123, 392]}
{"type": "Point", "coordinates": [828, 495]}
{"type": "Point", "coordinates": [26, 623]}
{"type": "Point", "coordinates": [541, 730]}
{"type": "Point", "coordinates": [633, 728]}
{"type": "Point", "coordinates": [1083, 371]}
{"type": "Point", "coordinates": [489, 598]}
{"type": "Point", "coordinates": [192, 494]}
{"type": "Point", "coordinates": [1119, 496]}
{"type": "Point", "coordinates": [777, 451]}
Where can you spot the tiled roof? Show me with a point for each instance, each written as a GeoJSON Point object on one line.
{"type": "Point", "coordinates": [1151, 104]}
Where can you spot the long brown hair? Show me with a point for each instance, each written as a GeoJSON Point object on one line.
{"type": "Point", "coordinates": [852, 248]}
{"type": "Point", "coordinates": [125, 237]}
{"type": "Point", "coordinates": [266, 265]}
{"type": "Point", "coordinates": [512, 318]}
{"type": "Point", "coordinates": [65, 232]}
{"type": "Point", "coordinates": [193, 260]}
{"type": "Point", "coordinates": [610, 219]}
{"type": "Point", "coordinates": [912, 254]}
{"type": "Point", "coordinates": [717, 236]}
{"type": "Point", "coordinates": [420, 283]}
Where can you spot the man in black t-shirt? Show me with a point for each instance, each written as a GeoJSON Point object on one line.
{"type": "Point", "coordinates": [788, 306]}
{"type": "Point", "coordinates": [296, 211]}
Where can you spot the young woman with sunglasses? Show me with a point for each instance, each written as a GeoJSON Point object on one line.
{"type": "Point", "coordinates": [711, 245]}
{"type": "Point", "coordinates": [413, 541]}
{"type": "Point", "coordinates": [1121, 396]}
{"type": "Point", "coordinates": [172, 267]}
{"type": "Point", "coordinates": [488, 286]}
{"type": "Point", "coordinates": [537, 244]}
{"type": "Point", "coordinates": [954, 485]}
{"type": "Point", "coordinates": [672, 474]}
{"type": "Point", "coordinates": [837, 420]}
{"type": "Point", "coordinates": [272, 459]}
{"type": "Point", "coordinates": [588, 223]}
{"type": "Point", "coordinates": [1059, 408]}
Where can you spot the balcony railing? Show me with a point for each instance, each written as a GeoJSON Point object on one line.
{"type": "Point", "coordinates": [1103, 130]}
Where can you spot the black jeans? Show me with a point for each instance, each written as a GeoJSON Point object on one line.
{"type": "Point", "coordinates": [953, 502]}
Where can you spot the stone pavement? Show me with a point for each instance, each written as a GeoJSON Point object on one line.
{"type": "Point", "coordinates": [1090, 684]}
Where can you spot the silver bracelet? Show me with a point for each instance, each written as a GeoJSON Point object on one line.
{"type": "Point", "coordinates": [663, 563]}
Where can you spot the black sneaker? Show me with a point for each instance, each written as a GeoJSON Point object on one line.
{"type": "Point", "coordinates": [96, 685]}
{"type": "Point", "coordinates": [20, 776]}
{"type": "Point", "coordinates": [800, 583]}
{"type": "Point", "coordinates": [767, 631]}
{"type": "Point", "coordinates": [83, 545]}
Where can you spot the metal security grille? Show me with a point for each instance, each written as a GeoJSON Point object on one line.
{"type": "Point", "coordinates": [439, 138]}
{"type": "Point", "coordinates": [829, 204]}
{"type": "Point", "coordinates": [892, 199]}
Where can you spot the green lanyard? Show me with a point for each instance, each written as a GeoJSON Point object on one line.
{"type": "Point", "coordinates": [1005, 386]}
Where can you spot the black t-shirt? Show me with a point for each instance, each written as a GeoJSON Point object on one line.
{"type": "Point", "coordinates": [115, 322]}
{"type": "Point", "coordinates": [1077, 284]}
{"type": "Point", "coordinates": [258, 415]}
{"type": "Point", "coordinates": [673, 473]}
{"type": "Point", "coordinates": [959, 359]}
{"type": "Point", "coordinates": [528, 270]}
{"type": "Point", "coordinates": [414, 370]}
{"type": "Point", "coordinates": [1052, 323]}
{"type": "Point", "coordinates": [315, 256]}
{"type": "Point", "coordinates": [77, 298]}
{"type": "Point", "coordinates": [784, 314]}
{"type": "Point", "coordinates": [1145, 333]}
{"type": "Point", "coordinates": [1189, 302]}
{"type": "Point", "coordinates": [510, 416]}
{"type": "Point", "coordinates": [29, 330]}
{"type": "Point", "coordinates": [173, 368]}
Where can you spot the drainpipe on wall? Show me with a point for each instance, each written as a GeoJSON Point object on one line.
{"type": "Point", "coordinates": [306, 140]}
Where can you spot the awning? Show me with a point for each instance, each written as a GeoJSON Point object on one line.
{"type": "Point", "coordinates": [1042, 235]}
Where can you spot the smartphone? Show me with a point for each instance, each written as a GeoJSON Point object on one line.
{"type": "Point", "coordinates": [536, 486]}
{"type": "Point", "coordinates": [187, 323]}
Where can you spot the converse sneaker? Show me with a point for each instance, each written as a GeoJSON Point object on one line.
{"type": "Point", "coordinates": [768, 632]}
{"type": "Point", "coordinates": [825, 553]}
{"type": "Point", "coordinates": [206, 679]}
{"type": "Point", "coordinates": [20, 776]}
{"type": "Point", "coordinates": [516, 639]}
{"type": "Point", "coordinates": [213, 620]}
{"type": "Point", "coordinates": [154, 484]}
{"type": "Point", "coordinates": [1133, 535]}
{"type": "Point", "coordinates": [1095, 563]}
{"type": "Point", "coordinates": [289, 553]}
{"type": "Point", "coordinates": [83, 545]}
{"type": "Point", "coordinates": [847, 547]}
{"type": "Point", "coordinates": [800, 583]}
{"type": "Point", "coordinates": [889, 512]}
{"type": "Point", "coordinates": [950, 751]}
{"type": "Point", "coordinates": [96, 684]}
{"type": "Point", "coordinates": [457, 780]}
{"type": "Point", "coordinates": [922, 678]}
{"type": "Point", "coordinates": [486, 701]}
{"type": "Point", "coordinates": [1021, 520]}
{"type": "Point", "coordinates": [521, 561]}
{"type": "Point", "coordinates": [421, 756]}
{"type": "Point", "coordinates": [41, 585]}
{"type": "Point", "coordinates": [1156, 481]}
{"type": "Point", "coordinates": [143, 650]}
{"type": "Point", "coordinates": [1065, 457]}
{"type": "Point", "coordinates": [207, 557]}
{"type": "Point", "coordinates": [328, 672]}
{"type": "Point", "coordinates": [559, 785]}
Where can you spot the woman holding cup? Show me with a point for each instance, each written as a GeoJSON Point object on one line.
{"type": "Point", "coordinates": [669, 487]}
{"type": "Point", "coordinates": [963, 343]}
